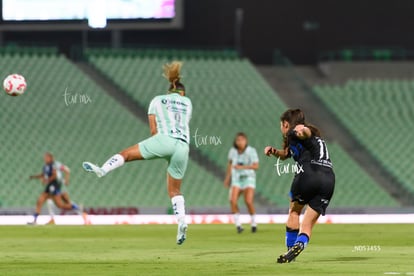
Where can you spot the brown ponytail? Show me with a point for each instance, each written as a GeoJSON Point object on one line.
{"type": "Point", "coordinates": [296, 117]}
{"type": "Point", "coordinates": [172, 74]}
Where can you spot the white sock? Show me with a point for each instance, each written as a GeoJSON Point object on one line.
{"type": "Point", "coordinates": [112, 163]}
{"type": "Point", "coordinates": [179, 208]}
{"type": "Point", "coordinates": [236, 217]}
{"type": "Point", "coordinates": [253, 220]}
{"type": "Point", "coordinates": [50, 208]}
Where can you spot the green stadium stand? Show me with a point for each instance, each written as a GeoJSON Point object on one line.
{"type": "Point", "coordinates": [379, 113]}
{"type": "Point", "coordinates": [41, 120]}
{"type": "Point", "coordinates": [230, 96]}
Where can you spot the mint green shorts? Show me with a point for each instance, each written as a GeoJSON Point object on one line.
{"type": "Point", "coordinates": [248, 182]}
{"type": "Point", "coordinates": [173, 150]}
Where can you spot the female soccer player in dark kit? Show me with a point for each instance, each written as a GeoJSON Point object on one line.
{"type": "Point", "coordinates": [313, 185]}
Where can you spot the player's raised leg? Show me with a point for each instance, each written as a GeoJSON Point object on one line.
{"type": "Point", "coordinates": [64, 205]}
{"type": "Point", "coordinates": [129, 154]}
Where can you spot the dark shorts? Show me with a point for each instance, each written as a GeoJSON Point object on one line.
{"type": "Point", "coordinates": [53, 188]}
{"type": "Point", "coordinates": [315, 187]}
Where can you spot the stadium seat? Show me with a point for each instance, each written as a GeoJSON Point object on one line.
{"type": "Point", "coordinates": [379, 114]}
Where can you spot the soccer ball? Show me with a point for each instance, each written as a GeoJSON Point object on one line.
{"type": "Point", "coordinates": [14, 85]}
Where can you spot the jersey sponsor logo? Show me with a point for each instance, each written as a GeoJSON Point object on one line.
{"type": "Point", "coordinates": [177, 109]}
{"type": "Point", "coordinates": [325, 163]}
{"type": "Point", "coordinates": [176, 102]}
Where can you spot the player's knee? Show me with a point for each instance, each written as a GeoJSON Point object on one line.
{"type": "Point", "coordinates": [249, 202]}
{"type": "Point", "coordinates": [125, 155]}
{"type": "Point", "coordinates": [233, 200]}
{"type": "Point", "coordinates": [294, 212]}
{"type": "Point", "coordinates": [59, 204]}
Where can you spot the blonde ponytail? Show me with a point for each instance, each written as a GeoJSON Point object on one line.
{"type": "Point", "coordinates": [172, 72]}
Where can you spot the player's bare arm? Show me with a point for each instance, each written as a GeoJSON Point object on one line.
{"type": "Point", "coordinates": [152, 124]}
{"type": "Point", "coordinates": [66, 171]}
{"type": "Point", "coordinates": [282, 154]}
{"type": "Point", "coordinates": [254, 166]}
{"type": "Point", "coordinates": [36, 176]}
{"type": "Point", "coordinates": [227, 178]}
{"type": "Point", "coordinates": [302, 132]}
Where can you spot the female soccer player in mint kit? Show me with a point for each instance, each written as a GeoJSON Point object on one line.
{"type": "Point", "coordinates": [241, 178]}
{"type": "Point", "coordinates": [169, 117]}
{"type": "Point", "coordinates": [314, 186]}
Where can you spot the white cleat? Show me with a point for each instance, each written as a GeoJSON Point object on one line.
{"type": "Point", "coordinates": [181, 233]}
{"type": "Point", "coordinates": [89, 167]}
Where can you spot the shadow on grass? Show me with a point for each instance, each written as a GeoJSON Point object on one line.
{"type": "Point", "coordinates": [346, 259]}
{"type": "Point", "coordinates": [220, 252]}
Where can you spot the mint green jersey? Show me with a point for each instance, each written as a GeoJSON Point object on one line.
{"type": "Point", "coordinates": [247, 157]}
{"type": "Point", "coordinates": [173, 115]}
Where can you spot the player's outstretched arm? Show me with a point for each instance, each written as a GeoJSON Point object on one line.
{"type": "Point", "coordinates": [282, 154]}
{"type": "Point", "coordinates": [254, 166]}
{"type": "Point", "coordinates": [65, 169]}
{"type": "Point", "coordinates": [36, 176]}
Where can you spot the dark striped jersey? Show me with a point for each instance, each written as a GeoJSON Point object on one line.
{"type": "Point", "coordinates": [47, 170]}
{"type": "Point", "coordinates": [312, 150]}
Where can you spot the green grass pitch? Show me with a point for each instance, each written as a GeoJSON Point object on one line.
{"type": "Point", "coordinates": [209, 250]}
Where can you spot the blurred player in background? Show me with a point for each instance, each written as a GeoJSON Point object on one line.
{"type": "Point", "coordinates": [52, 177]}
{"type": "Point", "coordinates": [241, 178]}
{"type": "Point", "coordinates": [169, 117]}
{"type": "Point", "coordinates": [63, 176]}
{"type": "Point", "coordinates": [313, 185]}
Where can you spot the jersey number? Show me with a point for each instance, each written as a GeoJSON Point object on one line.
{"type": "Point", "coordinates": [323, 150]}
{"type": "Point", "coordinates": [177, 117]}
